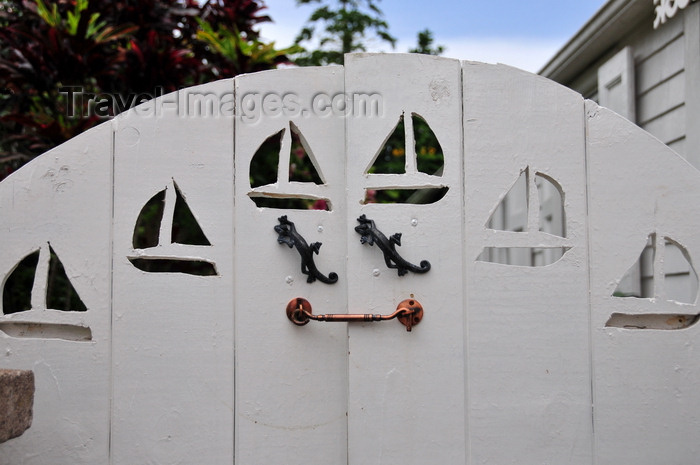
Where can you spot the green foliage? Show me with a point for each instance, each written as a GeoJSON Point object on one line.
{"type": "Point", "coordinates": [265, 163]}
{"type": "Point", "coordinates": [115, 47]}
{"type": "Point", "coordinates": [391, 159]}
{"type": "Point", "coordinates": [230, 44]}
{"type": "Point", "coordinates": [425, 44]}
{"type": "Point", "coordinates": [72, 20]}
{"type": "Point", "coordinates": [341, 27]}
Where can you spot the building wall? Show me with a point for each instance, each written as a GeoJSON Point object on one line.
{"type": "Point", "coordinates": [659, 57]}
{"type": "Point", "coordinates": [664, 78]}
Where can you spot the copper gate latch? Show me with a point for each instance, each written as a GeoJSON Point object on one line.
{"type": "Point", "coordinates": [409, 312]}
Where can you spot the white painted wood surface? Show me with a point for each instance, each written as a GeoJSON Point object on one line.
{"type": "Point", "coordinates": [534, 361]}
{"type": "Point", "coordinates": [291, 382]}
{"type": "Point", "coordinates": [646, 401]}
{"type": "Point", "coordinates": [528, 327]}
{"type": "Point", "coordinates": [172, 333]}
{"type": "Point", "coordinates": [63, 198]}
{"type": "Point", "coordinates": [406, 394]}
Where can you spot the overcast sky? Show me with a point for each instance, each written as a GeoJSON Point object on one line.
{"type": "Point", "coordinates": [521, 33]}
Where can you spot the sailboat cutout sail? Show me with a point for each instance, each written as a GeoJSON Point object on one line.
{"type": "Point", "coordinates": [165, 228]}
{"type": "Point", "coordinates": [17, 292]}
{"type": "Point", "coordinates": [285, 174]}
{"type": "Point", "coordinates": [532, 208]}
{"type": "Point", "coordinates": [663, 278]}
{"type": "Point", "coordinates": [49, 307]}
{"type": "Point", "coordinates": [410, 150]}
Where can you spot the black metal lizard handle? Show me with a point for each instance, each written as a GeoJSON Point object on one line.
{"type": "Point", "coordinates": [288, 235]}
{"type": "Point", "coordinates": [371, 235]}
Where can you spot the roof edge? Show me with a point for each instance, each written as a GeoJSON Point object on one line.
{"type": "Point", "coordinates": [612, 21]}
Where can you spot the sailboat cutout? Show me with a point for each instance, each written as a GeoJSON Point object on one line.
{"type": "Point", "coordinates": [49, 307]}
{"type": "Point", "coordinates": [285, 174]}
{"type": "Point", "coordinates": [528, 225]}
{"type": "Point", "coordinates": [410, 152]}
{"type": "Point", "coordinates": [662, 277]}
{"type": "Point", "coordinates": [168, 238]}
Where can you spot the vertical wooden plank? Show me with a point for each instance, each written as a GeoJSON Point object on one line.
{"type": "Point", "coordinates": [62, 198]}
{"type": "Point", "coordinates": [291, 381]}
{"type": "Point", "coordinates": [173, 330]}
{"type": "Point", "coordinates": [528, 338]}
{"type": "Point", "coordinates": [406, 395]}
{"type": "Point", "coordinates": [646, 374]}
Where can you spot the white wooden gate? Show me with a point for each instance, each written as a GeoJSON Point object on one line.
{"type": "Point", "coordinates": [170, 344]}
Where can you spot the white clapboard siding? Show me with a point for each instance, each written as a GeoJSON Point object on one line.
{"type": "Point", "coordinates": [647, 41]}
{"type": "Point", "coordinates": [665, 61]}
{"type": "Point", "coordinates": [689, 146]}
{"type": "Point", "coordinates": [529, 350]}
{"type": "Point", "coordinates": [661, 86]}
{"type": "Point", "coordinates": [668, 127]}
{"type": "Point", "coordinates": [666, 96]}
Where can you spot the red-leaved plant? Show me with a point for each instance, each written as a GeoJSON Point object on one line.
{"type": "Point", "coordinates": [115, 47]}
